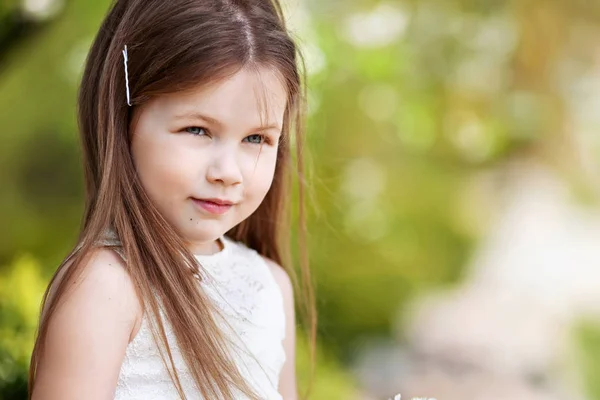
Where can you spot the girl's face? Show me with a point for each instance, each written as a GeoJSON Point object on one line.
{"type": "Point", "coordinates": [208, 144]}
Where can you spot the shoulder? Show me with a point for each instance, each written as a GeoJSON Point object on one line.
{"type": "Point", "coordinates": [89, 331]}
{"type": "Point", "coordinates": [103, 282]}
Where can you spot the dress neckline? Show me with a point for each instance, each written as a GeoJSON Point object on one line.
{"type": "Point", "coordinates": [226, 248]}
{"type": "Point", "coordinates": [110, 238]}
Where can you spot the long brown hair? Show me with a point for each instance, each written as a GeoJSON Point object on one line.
{"type": "Point", "coordinates": [177, 45]}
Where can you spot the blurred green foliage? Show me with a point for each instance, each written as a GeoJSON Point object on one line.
{"type": "Point", "coordinates": [21, 290]}
{"type": "Point", "coordinates": [330, 380]}
{"type": "Point", "coordinates": [588, 340]}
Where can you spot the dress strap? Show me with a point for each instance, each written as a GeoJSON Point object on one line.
{"type": "Point", "coordinates": [110, 239]}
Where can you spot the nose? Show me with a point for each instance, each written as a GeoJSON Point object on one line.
{"type": "Point", "coordinates": [224, 167]}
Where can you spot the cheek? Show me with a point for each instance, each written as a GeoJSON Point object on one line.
{"type": "Point", "coordinates": [261, 178]}
{"type": "Point", "coordinates": [161, 168]}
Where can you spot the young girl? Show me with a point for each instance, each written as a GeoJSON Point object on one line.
{"type": "Point", "coordinates": [175, 288]}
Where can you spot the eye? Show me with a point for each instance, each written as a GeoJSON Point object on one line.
{"type": "Point", "coordinates": [257, 139]}
{"type": "Point", "coordinates": [196, 130]}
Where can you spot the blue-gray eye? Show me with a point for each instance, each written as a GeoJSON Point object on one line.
{"type": "Point", "coordinates": [256, 139]}
{"type": "Point", "coordinates": [195, 130]}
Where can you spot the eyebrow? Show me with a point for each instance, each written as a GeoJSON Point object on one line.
{"type": "Point", "coordinates": [214, 121]}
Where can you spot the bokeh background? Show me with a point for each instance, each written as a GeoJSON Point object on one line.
{"type": "Point", "coordinates": [455, 223]}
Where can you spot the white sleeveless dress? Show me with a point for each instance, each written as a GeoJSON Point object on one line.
{"type": "Point", "coordinates": [244, 289]}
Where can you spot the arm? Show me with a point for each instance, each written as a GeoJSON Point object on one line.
{"type": "Point", "coordinates": [88, 333]}
{"type": "Point", "coordinates": [287, 379]}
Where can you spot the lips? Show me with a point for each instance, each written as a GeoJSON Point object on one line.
{"type": "Point", "coordinates": [214, 206]}
{"type": "Point", "coordinates": [219, 201]}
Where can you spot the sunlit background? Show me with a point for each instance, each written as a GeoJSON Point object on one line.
{"type": "Point", "coordinates": [455, 151]}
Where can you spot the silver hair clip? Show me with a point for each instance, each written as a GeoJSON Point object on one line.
{"type": "Point", "coordinates": [125, 59]}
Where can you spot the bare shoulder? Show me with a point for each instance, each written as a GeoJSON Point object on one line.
{"type": "Point", "coordinates": [89, 331]}
{"type": "Point", "coordinates": [103, 282]}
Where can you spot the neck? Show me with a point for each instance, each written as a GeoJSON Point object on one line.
{"type": "Point", "coordinates": [206, 248]}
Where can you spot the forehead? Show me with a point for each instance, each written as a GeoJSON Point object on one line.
{"type": "Point", "coordinates": [247, 97]}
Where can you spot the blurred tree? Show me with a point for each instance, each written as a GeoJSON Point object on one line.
{"type": "Point", "coordinates": [16, 26]}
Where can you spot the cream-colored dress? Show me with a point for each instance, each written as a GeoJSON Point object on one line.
{"type": "Point", "coordinates": [244, 289]}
